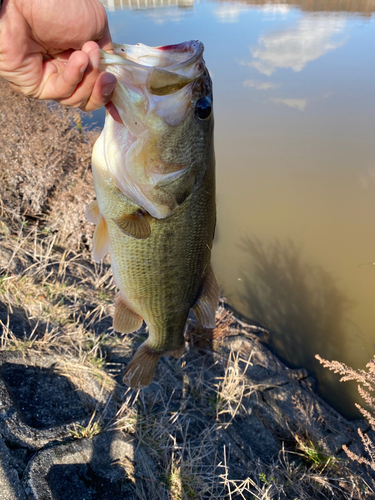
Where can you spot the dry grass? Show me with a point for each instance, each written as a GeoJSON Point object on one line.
{"type": "Point", "coordinates": [366, 388]}
{"type": "Point", "coordinates": [188, 463]}
{"type": "Point", "coordinates": [289, 477]}
{"type": "Point", "coordinates": [45, 158]}
{"type": "Point", "coordinates": [54, 285]}
{"type": "Point", "coordinates": [231, 389]}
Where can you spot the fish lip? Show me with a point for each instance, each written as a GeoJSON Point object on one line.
{"type": "Point", "coordinates": [195, 47]}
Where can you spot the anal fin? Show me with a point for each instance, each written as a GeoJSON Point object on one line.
{"type": "Point", "coordinates": [92, 213]}
{"type": "Point", "coordinates": [206, 305]}
{"type": "Point", "coordinates": [125, 320]}
{"type": "Point", "coordinates": [140, 371]}
{"type": "Point", "coordinates": [135, 225]}
{"type": "Point", "coordinates": [101, 245]}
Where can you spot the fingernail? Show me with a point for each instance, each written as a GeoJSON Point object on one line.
{"type": "Point", "coordinates": [95, 59]}
{"type": "Point", "coordinates": [82, 69]}
{"type": "Point", "coordinates": [109, 82]}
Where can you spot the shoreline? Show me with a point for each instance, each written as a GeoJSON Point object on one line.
{"type": "Point", "coordinates": [228, 406]}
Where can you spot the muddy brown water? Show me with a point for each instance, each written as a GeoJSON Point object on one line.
{"type": "Point", "coordinates": [294, 100]}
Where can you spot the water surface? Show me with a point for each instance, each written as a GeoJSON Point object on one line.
{"type": "Point", "coordinates": [294, 90]}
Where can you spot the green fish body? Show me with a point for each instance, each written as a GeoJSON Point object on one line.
{"type": "Point", "coordinates": [159, 232]}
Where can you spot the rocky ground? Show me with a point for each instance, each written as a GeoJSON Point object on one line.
{"type": "Point", "coordinates": [227, 420]}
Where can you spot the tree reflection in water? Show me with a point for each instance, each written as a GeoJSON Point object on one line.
{"type": "Point", "coordinates": [304, 307]}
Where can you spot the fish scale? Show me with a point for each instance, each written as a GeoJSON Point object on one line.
{"type": "Point", "coordinates": [165, 278]}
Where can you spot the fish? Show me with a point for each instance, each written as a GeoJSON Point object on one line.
{"type": "Point", "coordinates": [155, 208]}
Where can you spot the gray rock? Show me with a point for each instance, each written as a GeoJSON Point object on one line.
{"type": "Point", "coordinates": [90, 469]}
{"type": "Point", "coordinates": [38, 404]}
{"type": "Point", "coordinates": [254, 438]}
{"type": "Point", "coordinates": [299, 409]}
{"type": "Point", "coordinates": [10, 485]}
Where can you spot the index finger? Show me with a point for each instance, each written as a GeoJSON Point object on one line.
{"type": "Point", "coordinates": [105, 42]}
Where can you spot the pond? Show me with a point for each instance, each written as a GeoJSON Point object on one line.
{"type": "Point", "coordinates": [294, 101]}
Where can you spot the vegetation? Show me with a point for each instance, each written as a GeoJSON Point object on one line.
{"type": "Point", "coordinates": [45, 176]}
{"type": "Point", "coordinates": [366, 388]}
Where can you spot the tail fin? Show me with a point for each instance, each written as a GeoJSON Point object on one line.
{"type": "Point", "coordinates": [177, 353]}
{"type": "Point", "coordinates": [140, 371]}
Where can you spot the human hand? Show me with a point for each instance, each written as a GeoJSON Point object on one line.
{"type": "Point", "coordinates": [49, 49]}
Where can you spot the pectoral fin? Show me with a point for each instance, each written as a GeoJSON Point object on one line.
{"type": "Point", "coordinates": [135, 225]}
{"type": "Point", "coordinates": [206, 305]}
{"type": "Point", "coordinates": [125, 320]}
{"type": "Point", "coordinates": [92, 213]}
{"type": "Point", "coordinates": [101, 244]}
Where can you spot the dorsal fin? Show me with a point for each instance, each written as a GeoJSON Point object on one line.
{"type": "Point", "coordinates": [125, 320]}
{"type": "Point", "coordinates": [135, 225]}
{"type": "Point", "coordinates": [101, 245]}
{"type": "Point", "coordinates": [92, 212]}
{"type": "Point", "coordinates": [206, 305]}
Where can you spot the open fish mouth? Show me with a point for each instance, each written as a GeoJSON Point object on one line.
{"type": "Point", "coordinates": [176, 57]}
{"type": "Point", "coordinates": [156, 95]}
{"type": "Point", "coordinates": [159, 70]}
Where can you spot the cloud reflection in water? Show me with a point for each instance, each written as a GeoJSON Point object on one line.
{"type": "Point", "coordinates": [229, 13]}
{"type": "Point", "coordinates": [293, 48]}
{"type": "Point", "coordinates": [292, 103]}
{"type": "Point", "coordinates": [254, 84]}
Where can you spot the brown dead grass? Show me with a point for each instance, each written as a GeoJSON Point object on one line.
{"type": "Point", "coordinates": [366, 388]}
{"type": "Point", "coordinates": [45, 158]}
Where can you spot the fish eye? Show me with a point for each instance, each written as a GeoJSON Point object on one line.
{"type": "Point", "coordinates": [204, 108]}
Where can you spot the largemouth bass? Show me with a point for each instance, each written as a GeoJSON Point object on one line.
{"type": "Point", "coordinates": [154, 178]}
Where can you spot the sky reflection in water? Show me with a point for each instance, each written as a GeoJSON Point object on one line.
{"type": "Point", "coordinates": [294, 109]}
